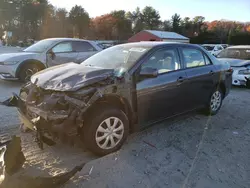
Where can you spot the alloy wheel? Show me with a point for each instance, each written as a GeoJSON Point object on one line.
{"type": "Point", "coordinates": [29, 72]}
{"type": "Point", "coordinates": [215, 101]}
{"type": "Point", "coordinates": [109, 133]}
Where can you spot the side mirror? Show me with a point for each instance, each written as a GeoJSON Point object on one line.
{"type": "Point", "coordinates": [149, 72]}
{"type": "Point", "coordinates": [51, 54]}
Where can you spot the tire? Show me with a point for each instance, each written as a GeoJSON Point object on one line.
{"type": "Point", "coordinates": [27, 71]}
{"type": "Point", "coordinates": [215, 102]}
{"type": "Point", "coordinates": [248, 83]}
{"type": "Point", "coordinates": [97, 129]}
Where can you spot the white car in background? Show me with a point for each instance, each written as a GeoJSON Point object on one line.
{"type": "Point", "coordinates": [239, 59]}
{"type": "Point", "coordinates": [43, 54]}
{"type": "Point", "coordinates": [214, 49]}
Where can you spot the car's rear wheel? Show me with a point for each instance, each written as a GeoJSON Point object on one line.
{"type": "Point", "coordinates": [106, 130]}
{"type": "Point", "coordinates": [27, 71]}
{"type": "Point", "coordinates": [248, 83]}
{"type": "Point", "coordinates": [215, 102]}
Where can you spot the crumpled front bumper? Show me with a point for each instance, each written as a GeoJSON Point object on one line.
{"type": "Point", "coordinates": [16, 101]}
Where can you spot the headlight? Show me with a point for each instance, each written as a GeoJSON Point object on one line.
{"type": "Point", "coordinates": [246, 71]}
{"type": "Point", "coordinates": [9, 63]}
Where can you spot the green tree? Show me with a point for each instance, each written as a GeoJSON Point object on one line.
{"type": "Point", "coordinates": [62, 22]}
{"type": "Point", "coordinates": [176, 23]}
{"type": "Point", "coordinates": [136, 19]}
{"type": "Point", "coordinates": [31, 15]}
{"type": "Point", "coordinates": [79, 18]}
{"type": "Point", "coordinates": [123, 25]}
{"type": "Point", "coordinates": [198, 22]}
{"type": "Point", "coordinates": [186, 26]}
{"type": "Point", "coordinates": [166, 25]}
{"type": "Point", "coordinates": [150, 18]}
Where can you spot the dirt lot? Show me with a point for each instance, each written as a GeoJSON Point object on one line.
{"type": "Point", "coordinates": [189, 151]}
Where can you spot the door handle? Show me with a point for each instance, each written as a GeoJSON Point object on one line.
{"type": "Point", "coordinates": [211, 72]}
{"type": "Point", "coordinates": [180, 80]}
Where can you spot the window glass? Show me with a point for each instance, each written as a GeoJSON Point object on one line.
{"type": "Point", "coordinates": [235, 53]}
{"type": "Point", "coordinates": [208, 48]}
{"type": "Point", "coordinates": [207, 60]}
{"type": "Point", "coordinates": [219, 48]}
{"type": "Point", "coordinates": [63, 47]}
{"type": "Point", "coordinates": [163, 60]}
{"type": "Point", "coordinates": [79, 46]}
{"type": "Point", "coordinates": [193, 57]}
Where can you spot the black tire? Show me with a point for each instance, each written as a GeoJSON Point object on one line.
{"type": "Point", "coordinates": [209, 109]}
{"type": "Point", "coordinates": [95, 120]}
{"type": "Point", "coordinates": [248, 83]}
{"type": "Point", "coordinates": [27, 71]}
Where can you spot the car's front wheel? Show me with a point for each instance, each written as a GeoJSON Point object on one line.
{"type": "Point", "coordinates": [27, 71]}
{"type": "Point", "coordinates": [215, 102]}
{"type": "Point", "coordinates": [106, 130]}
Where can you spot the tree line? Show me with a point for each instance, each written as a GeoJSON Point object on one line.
{"type": "Point", "coordinates": [38, 19]}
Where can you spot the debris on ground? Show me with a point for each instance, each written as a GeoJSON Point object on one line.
{"type": "Point", "coordinates": [149, 144]}
{"type": "Point", "coordinates": [13, 171]}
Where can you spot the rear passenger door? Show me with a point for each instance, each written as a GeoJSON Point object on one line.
{"type": "Point", "coordinates": [200, 73]}
{"type": "Point", "coordinates": [84, 50]}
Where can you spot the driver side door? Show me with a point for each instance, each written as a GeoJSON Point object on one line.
{"type": "Point", "coordinates": [62, 53]}
{"type": "Point", "coordinates": [164, 95]}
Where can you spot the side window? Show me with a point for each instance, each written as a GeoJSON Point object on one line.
{"type": "Point", "coordinates": [219, 48]}
{"type": "Point", "coordinates": [63, 47]}
{"type": "Point", "coordinates": [163, 60]}
{"type": "Point", "coordinates": [207, 60]}
{"type": "Point", "coordinates": [193, 58]}
{"type": "Point", "coordinates": [79, 46]}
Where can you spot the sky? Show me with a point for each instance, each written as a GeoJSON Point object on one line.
{"type": "Point", "coordinates": [236, 10]}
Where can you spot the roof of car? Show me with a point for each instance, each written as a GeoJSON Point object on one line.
{"type": "Point", "coordinates": [240, 47]}
{"type": "Point", "coordinates": [65, 39]}
{"type": "Point", "coordinates": [210, 44]}
{"type": "Point", "coordinates": [151, 44]}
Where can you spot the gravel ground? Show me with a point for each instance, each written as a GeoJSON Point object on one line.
{"type": "Point", "coordinates": [188, 151]}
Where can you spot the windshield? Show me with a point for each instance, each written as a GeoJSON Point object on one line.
{"type": "Point", "coordinates": [116, 57]}
{"type": "Point", "coordinates": [208, 48]}
{"type": "Point", "coordinates": [40, 46]}
{"type": "Point", "coordinates": [235, 54]}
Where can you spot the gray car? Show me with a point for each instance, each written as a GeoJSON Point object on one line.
{"type": "Point", "coordinates": [43, 54]}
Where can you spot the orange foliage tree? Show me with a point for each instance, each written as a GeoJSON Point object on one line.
{"type": "Point", "coordinates": [103, 27]}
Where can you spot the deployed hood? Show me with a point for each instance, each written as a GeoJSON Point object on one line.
{"type": "Point", "coordinates": [236, 62]}
{"type": "Point", "coordinates": [70, 77]}
{"type": "Point", "coordinates": [16, 56]}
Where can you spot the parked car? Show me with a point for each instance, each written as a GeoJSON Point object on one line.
{"type": "Point", "coordinates": [225, 45]}
{"type": "Point", "coordinates": [44, 54]}
{"type": "Point", "coordinates": [239, 59]}
{"type": "Point", "coordinates": [214, 49]}
{"type": "Point", "coordinates": [120, 90]}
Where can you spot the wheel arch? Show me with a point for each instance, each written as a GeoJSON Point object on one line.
{"type": "Point", "coordinates": [26, 62]}
{"type": "Point", "coordinates": [222, 86]}
{"type": "Point", "coordinates": [116, 101]}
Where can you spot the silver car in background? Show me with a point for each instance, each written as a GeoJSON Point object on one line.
{"type": "Point", "coordinates": [43, 54]}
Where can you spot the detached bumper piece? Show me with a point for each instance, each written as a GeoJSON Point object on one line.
{"type": "Point", "coordinates": [11, 102]}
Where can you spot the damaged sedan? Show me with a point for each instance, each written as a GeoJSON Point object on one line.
{"type": "Point", "coordinates": [121, 90]}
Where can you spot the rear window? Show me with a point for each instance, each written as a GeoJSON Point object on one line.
{"type": "Point", "coordinates": [235, 53]}
{"type": "Point", "coordinates": [209, 48]}
{"type": "Point", "coordinates": [80, 46]}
